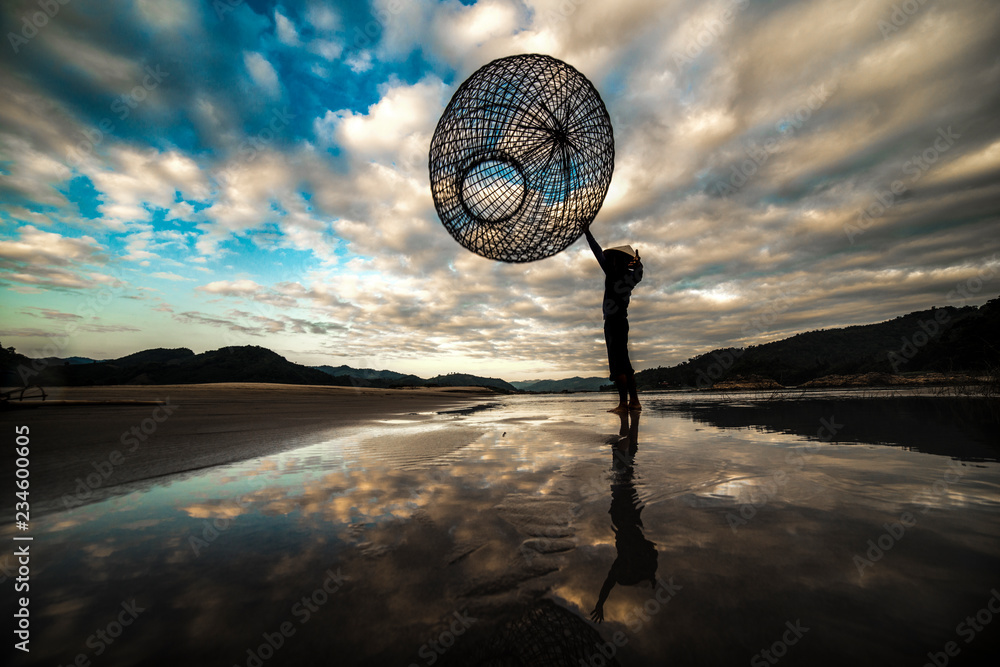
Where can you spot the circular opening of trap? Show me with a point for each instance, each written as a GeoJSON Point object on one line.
{"type": "Point", "coordinates": [493, 189]}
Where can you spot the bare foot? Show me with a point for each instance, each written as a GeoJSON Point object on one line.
{"type": "Point", "coordinates": [620, 410]}
{"type": "Point", "coordinates": [634, 406]}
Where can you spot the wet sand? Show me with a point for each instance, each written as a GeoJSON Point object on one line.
{"type": "Point", "coordinates": [703, 526]}
{"type": "Point", "coordinates": [81, 450]}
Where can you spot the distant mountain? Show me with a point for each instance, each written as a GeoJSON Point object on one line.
{"type": "Point", "coordinates": [156, 356]}
{"type": "Point", "coordinates": [239, 364]}
{"type": "Point", "coordinates": [370, 374]}
{"type": "Point", "coordinates": [367, 377]}
{"type": "Point", "coordinates": [182, 366]}
{"type": "Point", "coordinates": [229, 364]}
{"type": "Point", "coordinates": [62, 361]}
{"type": "Point", "coordinates": [523, 384]}
{"type": "Point", "coordinates": [945, 339]}
{"type": "Point", "coordinates": [465, 380]}
{"type": "Point", "coordinates": [568, 384]}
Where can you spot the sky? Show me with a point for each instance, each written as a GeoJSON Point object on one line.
{"type": "Point", "coordinates": [201, 174]}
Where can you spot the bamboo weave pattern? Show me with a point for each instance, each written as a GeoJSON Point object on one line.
{"type": "Point", "coordinates": [521, 158]}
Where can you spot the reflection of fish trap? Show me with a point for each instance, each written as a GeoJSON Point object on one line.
{"type": "Point", "coordinates": [521, 159]}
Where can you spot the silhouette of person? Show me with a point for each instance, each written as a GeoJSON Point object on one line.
{"type": "Point", "coordinates": [637, 558]}
{"type": "Point", "coordinates": [622, 272]}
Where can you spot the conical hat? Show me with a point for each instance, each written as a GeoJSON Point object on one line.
{"type": "Point", "coordinates": [627, 249]}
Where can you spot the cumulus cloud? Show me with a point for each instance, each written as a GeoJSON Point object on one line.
{"type": "Point", "coordinates": [166, 275]}
{"type": "Point", "coordinates": [37, 246]}
{"type": "Point", "coordinates": [231, 287]}
{"type": "Point", "coordinates": [781, 166]}
{"type": "Point", "coordinates": [262, 72]}
{"type": "Point", "coordinates": [50, 314]}
{"type": "Point", "coordinates": [287, 34]}
{"type": "Point", "coordinates": [133, 183]}
{"type": "Point", "coordinates": [47, 259]}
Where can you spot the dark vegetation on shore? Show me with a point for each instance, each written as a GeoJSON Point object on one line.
{"type": "Point", "coordinates": [937, 346]}
{"type": "Point", "coordinates": [248, 363]}
{"type": "Point", "coordinates": [925, 423]}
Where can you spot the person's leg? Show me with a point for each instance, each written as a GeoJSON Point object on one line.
{"type": "Point", "coordinates": [611, 337]}
{"type": "Point", "coordinates": [616, 338]}
{"type": "Point", "coordinates": [621, 383]}
{"type": "Point", "coordinates": [633, 394]}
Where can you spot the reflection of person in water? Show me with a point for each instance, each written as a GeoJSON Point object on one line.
{"type": "Point", "coordinates": [636, 561]}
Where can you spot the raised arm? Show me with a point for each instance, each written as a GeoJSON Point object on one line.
{"type": "Point", "coordinates": [597, 615]}
{"type": "Point", "coordinates": [596, 247]}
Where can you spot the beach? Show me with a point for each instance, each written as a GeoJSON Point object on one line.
{"type": "Point", "coordinates": [453, 527]}
{"type": "Point", "coordinates": [128, 435]}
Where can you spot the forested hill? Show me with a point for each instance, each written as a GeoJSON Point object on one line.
{"type": "Point", "coordinates": [945, 340]}
{"type": "Point", "coordinates": [164, 366]}
{"type": "Point", "coordinates": [229, 364]}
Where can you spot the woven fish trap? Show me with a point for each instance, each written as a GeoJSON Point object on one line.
{"type": "Point", "coordinates": [521, 159]}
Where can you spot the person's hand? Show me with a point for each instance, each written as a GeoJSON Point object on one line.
{"type": "Point", "coordinates": [597, 616]}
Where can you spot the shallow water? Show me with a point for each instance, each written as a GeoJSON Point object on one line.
{"type": "Point", "coordinates": [826, 530]}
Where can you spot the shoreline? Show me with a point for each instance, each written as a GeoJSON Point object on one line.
{"type": "Point", "coordinates": [848, 381]}
{"type": "Point", "coordinates": [123, 435]}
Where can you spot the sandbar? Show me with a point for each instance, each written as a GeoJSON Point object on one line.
{"type": "Point", "coordinates": [88, 440]}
